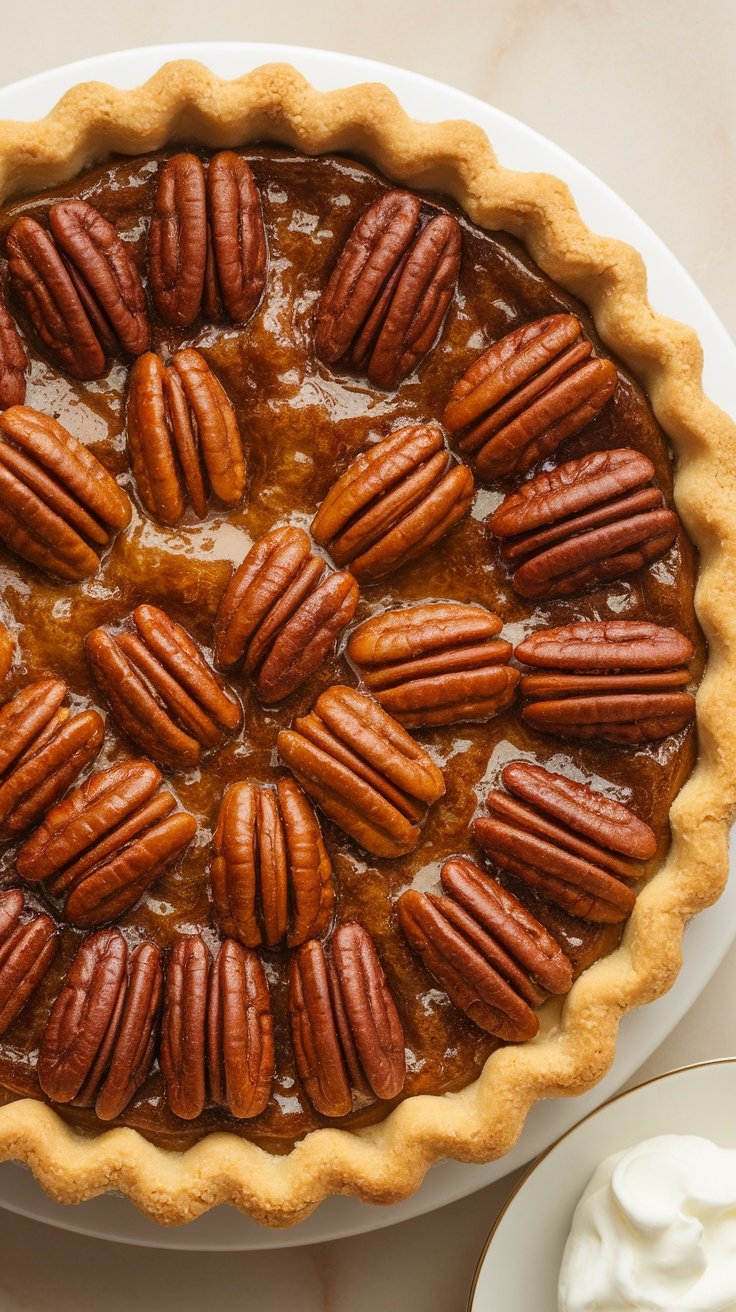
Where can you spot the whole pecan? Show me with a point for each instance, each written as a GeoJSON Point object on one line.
{"type": "Point", "coordinates": [526, 394]}
{"type": "Point", "coordinates": [346, 1030]}
{"type": "Point", "coordinates": [491, 955]}
{"type": "Point", "coordinates": [240, 1045]}
{"type": "Point", "coordinates": [393, 502]}
{"type": "Point", "coordinates": [584, 523]}
{"type": "Point", "coordinates": [282, 612]}
{"type": "Point", "coordinates": [566, 841]}
{"type": "Point", "coordinates": [437, 663]}
{"type": "Point", "coordinates": [271, 875]}
{"type": "Point", "coordinates": [107, 842]}
{"type": "Point", "coordinates": [7, 650]}
{"type": "Point", "coordinates": [161, 689]}
{"type": "Point", "coordinates": [612, 680]}
{"type": "Point", "coordinates": [59, 507]}
{"type": "Point", "coordinates": [207, 239]}
{"type": "Point", "coordinates": [43, 749]}
{"type": "Point", "coordinates": [183, 436]}
{"type": "Point", "coordinates": [388, 294]}
{"type": "Point", "coordinates": [99, 1042]}
{"type": "Point", "coordinates": [13, 362]}
{"type": "Point", "coordinates": [183, 1052]}
{"type": "Point", "coordinates": [79, 287]}
{"type": "Point", "coordinates": [363, 770]}
{"type": "Point", "coordinates": [27, 949]}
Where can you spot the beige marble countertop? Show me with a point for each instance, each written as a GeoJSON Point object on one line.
{"type": "Point", "coordinates": [643, 92]}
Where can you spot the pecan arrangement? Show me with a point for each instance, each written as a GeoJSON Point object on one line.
{"type": "Point", "coordinates": [526, 394]}
{"type": "Point", "coordinates": [393, 503]}
{"type": "Point", "coordinates": [59, 507]}
{"type": "Point", "coordinates": [388, 294]}
{"type": "Point", "coordinates": [161, 689]}
{"type": "Point", "coordinates": [584, 523]}
{"type": "Point", "coordinates": [282, 613]}
{"type": "Point", "coordinates": [435, 664]}
{"type": "Point", "coordinates": [183, 437]}
{"type": "Point", "coordinates": [621, 681]}
{"type": "Point", "coordinates": [487, 950]}
{"type": "Point", "coordinates": [79, 287]}
{"type": "Point", "coordinates": [348, 1039]}
{"type": "Point", "coordinates": [207, 244]}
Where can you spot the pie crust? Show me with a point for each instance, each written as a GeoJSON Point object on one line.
{"type": "Point", "coordinates": [386, 1162]}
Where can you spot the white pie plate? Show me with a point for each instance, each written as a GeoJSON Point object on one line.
{"type": "Point", "coordinates": [672, 292]}
{"type": "Point", "coordinates": [694, 1100]}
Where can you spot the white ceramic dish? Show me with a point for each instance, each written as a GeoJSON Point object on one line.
{"type": "Point", "coordinates": [695, 1100]}
{"type": "Point", "coordinates": [674, 293]}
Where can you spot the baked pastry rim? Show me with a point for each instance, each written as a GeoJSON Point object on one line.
{"type": "Point", "coordinates": [386, 1162]}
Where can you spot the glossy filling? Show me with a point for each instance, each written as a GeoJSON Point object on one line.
{"type": "Point", "coordinates": [302, 422]}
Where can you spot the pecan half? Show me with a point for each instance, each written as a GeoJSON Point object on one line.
{"type": "Point", "coordinates": [282, 613]}
{"type": "Point", "coordinates": [43, 749]}
{"type": "Point", "coordinates": [612, 680]}
{"type": "Point", "coordinates": [79, 287]}
{"type": "Point", "coordinates": [207, 239]}
{"type": "Point", "coordinates": [490, 954]}
{"type": "Point", "coordinates": [26, 952]}
{"type": "Point", "coordinates": [183, 1051]}
{"type": "Point", "coordinates": [388, 294]}
{"type": "Point", "coordinates": [573, 845]}
{"type": "Point", "coordinates": [240, 1045]}
{"type": "Point", "coordinates": [584, 523]}
{"type": "Point", "coordinates": [346, 1030]}
{"type": "Point", "coordinates": [59, 507]}
{"type": "Point", "coordinates": [393, 502]}
{"type": "Point", "coordinates": [98, 1046]}
{"type": "Point", "coordinates": [161, 689]}
{"type": "Point", "coordinates": [439, 663]}
{"type": "Point", "coordinates": [363, 770]}
{"type": "Point", "coordinates": [183, 436]}
{"type": "Point", "coordinates": [526, 394]}
{"type": "Point", "coordinates": [107, 842]}
{"type": "Point", "coordinates": [271, 875]}
{"type": "Point", "coordinates": [13, 362]}
{"type": "Point", "coordinates": [7, 650]}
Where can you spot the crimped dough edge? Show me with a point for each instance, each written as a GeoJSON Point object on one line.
{"type": "Point", "coordinates": [387, 1162]}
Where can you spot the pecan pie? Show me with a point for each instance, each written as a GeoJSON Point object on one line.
{"type": "Point", "coordinates": [348, 645]}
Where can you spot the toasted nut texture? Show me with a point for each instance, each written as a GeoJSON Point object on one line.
{"type": "Point", "coordinates": [13, 362]}
{"type": "Point", "coordinates": [79, 287]}
{"type": "Point", "coordinates": [43, 749]}
{"type": "Point", "coordinates": [388, 294]}
{"type": "Point", "coordinates": [271, 875]}
{"type": "Point", "coordinates": [59, 507]}
{"type": "Point", "coordinates": [27, 948]}
{"type": "Point", "coordinates": [526, 394]}
{"type": "Point", "coordinates": [439, 663]}
{"type": "Point", "coordinates": [393, 502]}
{"type": "Point", "coordinates": [240, 1046]}
{"type": "Point", "coordinates": [348, 1038]}
{"type": "Point", "coordinates": [7, 651]}
{"type": "Point", "coordinates": [183, 1053]}
{"type": "Point", "coordinates": [584, 523]}
{"type": "Point", "coordinates": [207, 243]}
{"type": "Point", "coordinates": [473, 959]}
{"type": "Point", "coordinates": [282, 613]}
{"type": "Point", "coordinates": [363, 770]}
{"type": "Point", "coordinates": [107, 842]}
{"type": "Point", "coordinates": [618, 681]}
{"type": "Point", "coordinates": [183, 437]}
{"type": "Point", "coordinates": [161, 689]}
{"type": "Point", "coordinates": [99, 1043]}
{"type": "Point", "coordinates": [566, 841]}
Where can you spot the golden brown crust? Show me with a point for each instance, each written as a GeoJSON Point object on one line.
{"type": "Point", "coordinates": [575, 1046]}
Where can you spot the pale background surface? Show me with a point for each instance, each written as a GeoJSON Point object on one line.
{"type": "Point", "coordinates": [643, 92]}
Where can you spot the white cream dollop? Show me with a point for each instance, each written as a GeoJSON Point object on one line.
{"type": "Point", "coordinates": [655, 1230]}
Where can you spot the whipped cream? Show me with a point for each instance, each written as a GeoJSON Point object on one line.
{"type": "Point", "coordinates": [655, 1230]}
